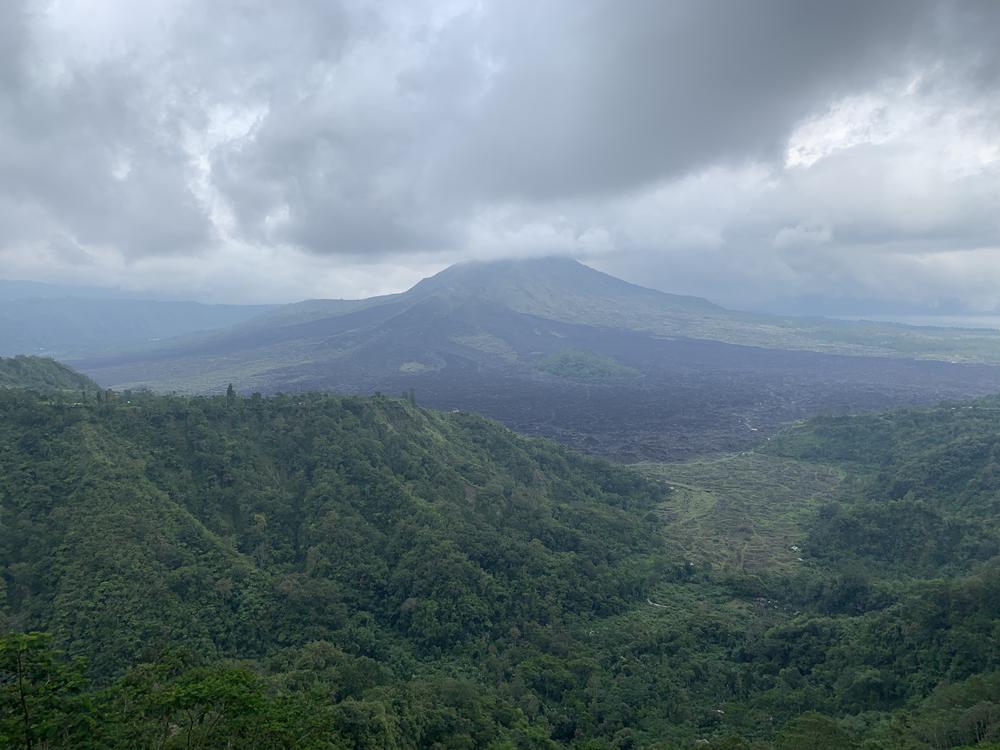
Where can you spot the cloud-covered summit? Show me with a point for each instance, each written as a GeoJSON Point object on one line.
{"type": "Point", "coordinates": [754, 152]}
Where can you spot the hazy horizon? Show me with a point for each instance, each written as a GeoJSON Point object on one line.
{"type": "Point", "coordinates": [12, 290]}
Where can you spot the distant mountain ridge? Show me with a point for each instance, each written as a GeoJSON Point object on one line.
{"type": "Point", "coordinates": [62, 321]}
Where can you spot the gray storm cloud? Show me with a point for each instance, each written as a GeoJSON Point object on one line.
{"type": "Point", "coordinates": [752, 151]}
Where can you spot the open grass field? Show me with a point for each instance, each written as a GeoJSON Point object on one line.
{"type": "Point", "coordinates": [745, 511]}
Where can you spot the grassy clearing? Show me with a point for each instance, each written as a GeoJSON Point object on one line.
{"type": "Point", "coordinates": [745, 511]}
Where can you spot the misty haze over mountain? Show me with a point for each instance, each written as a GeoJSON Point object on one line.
{"type": "Point", "coordinates": [808, 157]}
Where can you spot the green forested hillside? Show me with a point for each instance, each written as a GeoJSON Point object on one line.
{"type": "Point", "coordinates": [325, 572]}
{"type": "Point", "coordinates": [930, 491]}
{"type": "Point", "coordinates": [375, 541]}
{"type": "Point", "coordinates": [43, 374]}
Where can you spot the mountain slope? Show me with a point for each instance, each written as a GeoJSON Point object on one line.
{"type": "Point", "coordinates": [42, 374]}
{"type": "Point", "coordinates": [567, 291]}
{"type": "Point", "coordinates": [222, 524]}
{"type": "Point", "coordinates": [929, 489]}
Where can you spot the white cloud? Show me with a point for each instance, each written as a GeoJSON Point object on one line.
{"type": "Point", "coordinates": [803, 234]}
{"type": "Point", "coordinates": [247, 150]}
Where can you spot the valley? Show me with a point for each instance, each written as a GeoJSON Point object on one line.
{"type": "Point", "coordinates": [748, 512]}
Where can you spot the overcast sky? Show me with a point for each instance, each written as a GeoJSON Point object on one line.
{"type": "Point", "coordinates": [757, 152]}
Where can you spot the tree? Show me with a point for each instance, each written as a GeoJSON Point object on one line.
{"type": "Point", "coordinates": [42, 698]}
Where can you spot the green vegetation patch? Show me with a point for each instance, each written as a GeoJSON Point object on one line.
{"type": "Point", "coordinates": [585, 365]}
{"type": "Point", "coordinates": [749, 512]}
{"type": "Point", "coordinates": [42, 374]}
{"type": "Point", "coordinates": [414, 368]}
{"type": "Point", "coordinates": [488, 344]}
{"type": "Point", "coordinates": [927, 480]}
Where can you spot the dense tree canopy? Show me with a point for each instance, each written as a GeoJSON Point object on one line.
{"type": "Point", "coordinates": [313, 571]}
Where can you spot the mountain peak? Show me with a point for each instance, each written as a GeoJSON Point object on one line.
{"type": "Point", "coordinates": [489, 271]}
{"type": "Point", "coordinates": [530, 284]}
